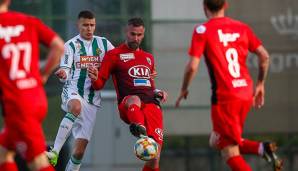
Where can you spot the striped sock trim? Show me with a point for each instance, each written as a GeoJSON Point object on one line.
{"type": "Point", "coordinates": [75, 161]}
{"type": "Point", "coordinates": [70, 116]}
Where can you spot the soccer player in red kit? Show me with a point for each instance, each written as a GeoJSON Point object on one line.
{"type": "Point", "coordinates": [132, 70]}
{"type": "Point", "coordinates": [22, 95]}
{"type": "Point", "coordinates": [225, 43]}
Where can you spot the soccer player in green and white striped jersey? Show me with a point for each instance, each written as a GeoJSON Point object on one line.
{"type": "Point", "coordinates": [79, 100]}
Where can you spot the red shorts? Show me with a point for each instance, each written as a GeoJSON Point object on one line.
{"type": "Point", "coordinates": [153, 119]}
{"type": "Point", "coordinates": [22, 131]}
{"type": "Point", "coordinates": [228, 120]}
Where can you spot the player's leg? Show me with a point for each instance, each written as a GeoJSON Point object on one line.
{"type": "Point", "coordinates": [74, 110]}
{"type": "Point", "coordinates": [82, 132]}
{"type": "Point", "coordinates": [227, 131]}
{"type": "Point", "coordinates": [40, 163]}
{"type": "Point", "coordinates": [267, 150]}
{"type": "Point", "coordinates": [153, 165]}
{"type": "Point", "coordinates": [154, 125]}
{"type": "Point", "coordinates": [7, 162]}
{"type": "Point", "coordinates": [251, 147]}
{"type": "Point", "coordinates": [236, 162]}
{"type": "Point", "coordinates": [74, 162]}
{"type": "Point", "coordinates": [131, 108]}
{"type": "Point", "coordinates": [33, 137]}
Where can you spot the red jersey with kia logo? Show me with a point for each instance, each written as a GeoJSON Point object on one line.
{"type": "Point", "coordinates": [130, 70]}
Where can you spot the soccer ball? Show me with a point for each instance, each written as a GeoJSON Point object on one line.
{"type": "Point", "coordinates": [146, 148]}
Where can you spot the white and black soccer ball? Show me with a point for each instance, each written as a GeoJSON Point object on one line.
{"type": "Point", "coordinates": [146, 148]}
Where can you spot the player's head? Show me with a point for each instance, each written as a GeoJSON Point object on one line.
{"type": "Point", "coordinates": [86, 24]}
{"type": "Point", "coordinates": [135, 31]}
{"type": "Point", "coordinates": [213, 6]}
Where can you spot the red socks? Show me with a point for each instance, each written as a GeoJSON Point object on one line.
{"type": "Point", "coordinates": [135, 115]}
{"type": "Point", "coordinates": [237, 163]}
{"type": "Point", "coordinates": [249, 147]}
{"type": "Point", "coordinates": [49, 168]}
{"type": "Point", "coordinates": [146, 168]}
{"type": "Point", "coordinates": [8, 166]}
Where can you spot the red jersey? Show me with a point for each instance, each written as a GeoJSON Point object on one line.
{"type": "Point", "coordinates": [130, 71]}
{"type": "Point", "coordinates": [225, 44]}
{"type": "Point", "coordinates": [20, 35]}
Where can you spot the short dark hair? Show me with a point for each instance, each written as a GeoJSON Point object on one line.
{"type": "Point", "coordinates": [136, 22]}
{"type": "Point", "coordinates": [214, 5]}
{"type": "Point", "coordinates": [86, 14]}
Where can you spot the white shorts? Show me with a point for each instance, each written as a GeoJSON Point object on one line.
{"type": "Point", "coordinates": [83, 125]}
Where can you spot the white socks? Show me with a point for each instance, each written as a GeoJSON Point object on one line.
{"type": "Point", "coordinates": [73, 164]}
{"type": "Point", "coordinates": [64, 131]}
{"type": "Point", "coordinates": [261, 149]}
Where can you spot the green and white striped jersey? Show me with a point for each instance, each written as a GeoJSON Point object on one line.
{"type": "Point", "coordinates": [78, 55]}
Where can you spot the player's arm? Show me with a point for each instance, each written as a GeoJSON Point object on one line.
{"type": "Point", "coordinates": [100, 76]}
{"type": "Point", "coordinates": [49, 38]}
{"type": "Point", "coordinates": [97, 80]}
{"type": "Point", "coordinates": [66, 62]}
{"type": "Point", "coordinates": [153, 74]}
{"type": "Point", "coordinates": [161, 94]}
{"type": "Point", "coordinates": [263, 57]}
{"type": "Point", "coordinates": [52, 60]}
{"type": "Point", "coordinates": [195, 52]}
{"type": "Point", "coordinates": [189, 73]}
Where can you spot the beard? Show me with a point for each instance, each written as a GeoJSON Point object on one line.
{"type": "Point", "coordinates": [133, 45]}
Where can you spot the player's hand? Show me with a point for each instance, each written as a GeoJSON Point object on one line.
{"type": "Point", "coordinates": [183, 95]}
{"type": "Point", "coordinates": [258, 100]}
{"type": "Point", "coordinates": [92, 73]}
{"type": "Point", "coordinates": [162, 95]}
{"type": "Point", "coordinates": [44, 78]}
{"type": "Point", "coordinates": [61, 74]}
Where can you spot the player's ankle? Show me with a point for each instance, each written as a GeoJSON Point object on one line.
{"type": "Point", "coordinates": [137, 129]}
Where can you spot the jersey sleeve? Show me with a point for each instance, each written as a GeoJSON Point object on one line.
{"type": "Point", "coordinates": [106, 66]}
{"type": "Point", "coordinates": [153, 70]}
{"type": "Point", "coordinates": [253, 41]}
{"type": "Point", "coordinates": [45, 33]}
{"type": "Point", "coordinates": [110, 45]}
{"type": "Point", "coordinates": [68, 56]}
{"type": "Point", "coordinates": [104, 72]}
{"type": "Point", "coordinates": [198, 41]}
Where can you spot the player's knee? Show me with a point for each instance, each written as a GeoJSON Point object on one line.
{"type": "Point", "coordinates": [230, 151]}
{"type": "Point", "coordinates": [39, 162]}
{"type": "Point", "coordinates": [78, 154]}
{"type": "Point", "coordinates": [74, 106]}
{"type": "Point", "coordinates": [6, 156]}
{"type": "Point", "coordinates": [79, 148]}
{"type": "Point", "coordinates": [133, 99]}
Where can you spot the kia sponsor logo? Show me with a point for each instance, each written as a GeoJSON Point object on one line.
{"type": "Point", "coordinates": [139, 71]}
